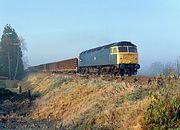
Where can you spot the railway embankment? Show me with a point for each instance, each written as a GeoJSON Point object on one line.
{"type": "Point", "coordinates": [64, 101]}
{"type": "Point", "coordinates": [99, 102]}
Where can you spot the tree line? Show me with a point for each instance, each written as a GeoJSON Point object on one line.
{"type": "Point", "coordinates": [11, 55]}
{"type": "Point", "coordinates": [164, 69]}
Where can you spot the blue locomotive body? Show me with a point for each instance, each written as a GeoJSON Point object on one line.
{"type": "Point", "coordinates": [116, 58]}
{"type": "Point", "coordinates": [98, 57]}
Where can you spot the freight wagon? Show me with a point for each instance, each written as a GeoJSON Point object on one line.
{"type": "Point", "coordinates": [69, 66]}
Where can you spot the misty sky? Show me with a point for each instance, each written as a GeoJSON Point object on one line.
{"type": "Point", "coordinates": [60, 29]}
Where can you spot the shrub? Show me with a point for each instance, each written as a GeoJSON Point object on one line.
{"type": "Point", "coordinates": [164, 112]}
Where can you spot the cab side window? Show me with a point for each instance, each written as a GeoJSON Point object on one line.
{"type": "Point", "coordinates": [113, 50]}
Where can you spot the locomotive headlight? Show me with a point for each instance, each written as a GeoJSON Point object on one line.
{"type": "Point", "coordinates": [121, 57]}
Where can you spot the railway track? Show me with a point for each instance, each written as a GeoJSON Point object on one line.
{"type": "Point", "coordinates": [130, 79]}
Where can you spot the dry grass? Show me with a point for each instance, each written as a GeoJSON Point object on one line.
{"type": "Point", "coordinates": [88, 102]}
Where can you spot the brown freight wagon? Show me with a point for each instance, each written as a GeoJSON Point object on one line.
{"type": "Point", "coordinates": [70, 65]}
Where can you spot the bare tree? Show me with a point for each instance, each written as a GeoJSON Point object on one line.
{"type": "Point", "coordinates": [17, 59]}
{"type": "Point", "coordinates": [20, 43]}
{"type": "Point", "coordinates": [169, 69]}
{"type": "Point", "coordinates": [178, 67]}
{"type": "Point", "coordinates": [24, 50]}
{"type": "Point", "coordinates": [155, 69]}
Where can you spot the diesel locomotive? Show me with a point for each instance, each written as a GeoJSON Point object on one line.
{"type": "Point", "coordinates": [118, 58]}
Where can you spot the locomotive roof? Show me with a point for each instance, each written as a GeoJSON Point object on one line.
{"type": "Point", "coordinates": [122, 43]}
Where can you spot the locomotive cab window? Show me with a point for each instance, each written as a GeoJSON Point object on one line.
{"type": "Point", "coordinates": [123, 49]}
{"type": "Point", "coordinates": [133, 49]}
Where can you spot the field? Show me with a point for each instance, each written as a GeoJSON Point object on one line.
{"type": "Point", "coordinates": [62, 101]}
